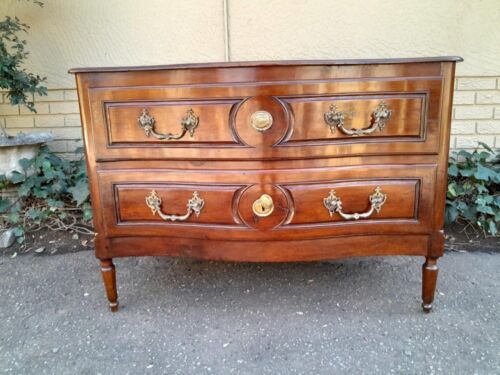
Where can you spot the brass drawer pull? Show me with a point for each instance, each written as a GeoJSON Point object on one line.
{"type": "Point", "coordinates": [264, 206]}
{"type": "Point", "coordinates": [380, 116]}
{"type": "Point", "coordinates": [334, 204]}
{"type": "Point", "coordinates": [189, 123]}
{"type": "Point", "coordinates": [195, 204]}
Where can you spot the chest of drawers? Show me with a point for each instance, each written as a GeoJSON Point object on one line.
{"type": "Point", "coordinates": [269, 162]}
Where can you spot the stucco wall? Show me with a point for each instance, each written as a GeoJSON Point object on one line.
{"type": "Point", "coordinates": [73, 33]}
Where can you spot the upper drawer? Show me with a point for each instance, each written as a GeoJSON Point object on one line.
{"type": "Point", "coordinates": [267, 120]}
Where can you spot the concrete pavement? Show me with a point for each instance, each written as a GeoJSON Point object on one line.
{"type": "Point", "coordinates": [359, 316]}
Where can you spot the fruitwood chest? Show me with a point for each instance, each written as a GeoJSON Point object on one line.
{"type": "Point", "coordinates": [269, 161]}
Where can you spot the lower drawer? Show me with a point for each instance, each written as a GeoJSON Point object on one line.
{"type": "Point", "coordinates": [261, 206]}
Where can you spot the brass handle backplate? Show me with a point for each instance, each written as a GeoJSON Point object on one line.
{"type": "Point", "coordinates": [263, 206]}
{"type": "Point", "coordinates": [333, 204]}
{"type": "Point", "coordinates": [189, 123]}
{"type": "Point", "coordinates": [335, 119]}
{"type": "Point", "coordinates": [195, 204]}
{"type": "Point", "coordinates": [261, 120]}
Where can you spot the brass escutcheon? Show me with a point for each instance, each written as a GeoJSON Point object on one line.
{"type": "Point", "coordinates": [261, 120]}
{"type": "Point", "coordinates": [263, 206]}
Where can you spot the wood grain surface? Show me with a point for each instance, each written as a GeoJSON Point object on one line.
{"type": "Point", "coordinates": [296, 162]}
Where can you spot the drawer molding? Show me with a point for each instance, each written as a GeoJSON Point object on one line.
{"type": "Point", "coordinates": [150, 123]}
{"type": "Point", "coordinates": [410, 129]}
{"type": "Point", "coordinates": [298, 130]}
{"type": "Point", "coordinates": [298, 205]}
{"type": "Point", "coordinates": [140, 204]}
{"type": "Point", "coordinates": [405, 209]}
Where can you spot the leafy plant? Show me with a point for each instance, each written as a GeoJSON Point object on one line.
{"type": "Point", "coordinates": [16, 80]}
{"type": "Point", "coordinates": [474, 189]}
{"type": "Point", "coordinates": [51, 192]}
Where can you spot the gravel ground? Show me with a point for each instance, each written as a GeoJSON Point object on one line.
{"type": "Point", "coordinates": [359, 316]}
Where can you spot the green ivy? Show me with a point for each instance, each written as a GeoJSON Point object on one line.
{"type": "Point", "coordinates": [48, 188]}
{"type": "Point", "coordinates": [474, 189]}
{"type": "Point", "coordinates": [20, 84]}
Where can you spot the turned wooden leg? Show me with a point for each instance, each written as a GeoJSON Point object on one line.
{"type": "Point", "coordinates": [429, 279]}
{"type": "Point", "coordinates": [109, 278]}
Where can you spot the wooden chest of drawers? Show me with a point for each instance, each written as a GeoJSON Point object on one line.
{"type": "Point", "coordinates": [270, 161]}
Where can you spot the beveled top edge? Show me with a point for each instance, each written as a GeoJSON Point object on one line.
{"type": "Point", "coordinates": [243, 64]}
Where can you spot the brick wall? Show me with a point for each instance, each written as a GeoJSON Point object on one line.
{"type": "Point", "coordinates": [476, 115]}
{"type": "Point", "coordinates": [476, 112]}
{"type": "Point", "coordinates": [57, 113]}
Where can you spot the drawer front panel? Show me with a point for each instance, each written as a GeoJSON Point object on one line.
{"type": "Point", "coordinates": [401, 202]}
{"type": "Point", "coordinates": [406, 119]}
{"type": "Point", "coordinates": [163, 120]}
{"type": "Point", "coordinates": [131, 207]}
{"type": "Point", "coordinates": [269, 121]}
{"type": "Point", "coordinates": [291, 204]}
